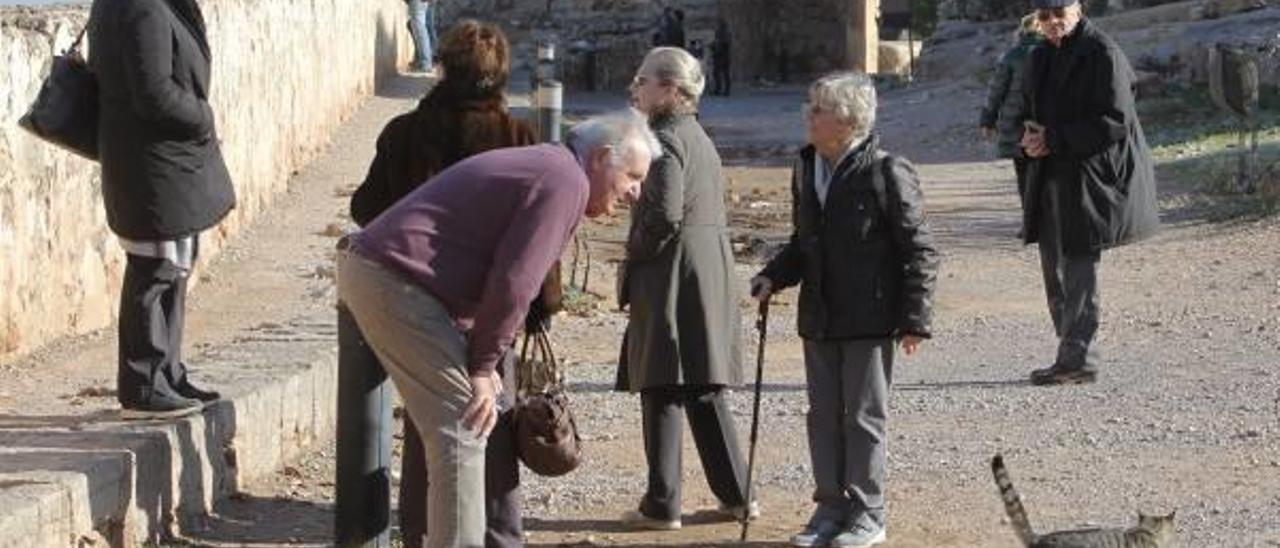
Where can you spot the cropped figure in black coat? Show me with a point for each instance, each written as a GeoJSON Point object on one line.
{"type": "Point", "coordinates": [163, 181]}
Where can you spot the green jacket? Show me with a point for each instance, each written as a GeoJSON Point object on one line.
{"type": "Point", "coordinates": [1005, 106]}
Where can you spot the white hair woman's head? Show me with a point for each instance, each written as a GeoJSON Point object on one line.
{"type": "Point", "coordinates": [615, 151]}
{"type": "Point", "coordinates": [669, 81]}
{"type": "Point", "coordinates": [841, 110]}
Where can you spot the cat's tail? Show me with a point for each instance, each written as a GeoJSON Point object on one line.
{"type": "Point", "coordinates": [1012, 502]}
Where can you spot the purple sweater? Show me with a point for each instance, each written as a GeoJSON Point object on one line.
{"type": "Point", "coordinates": [481, 236]}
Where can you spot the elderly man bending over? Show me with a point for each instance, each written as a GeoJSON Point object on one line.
{"type": "Point", "coordinates": [439, 283]}
{"type": "Point", "coordinates": [865, 259]}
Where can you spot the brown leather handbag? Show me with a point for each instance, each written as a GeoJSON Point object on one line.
{"type": "Point", "coordinates": [546, 434]}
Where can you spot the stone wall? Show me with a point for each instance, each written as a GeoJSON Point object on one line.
{"type": "Point", "coordinates": [285, 74]}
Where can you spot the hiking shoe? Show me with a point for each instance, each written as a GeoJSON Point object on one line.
{"type": "Point", "coordinates": [159, 406]}
{"type": "Point", "coordinates": [751, 511]}
{"type": "Point", "coordinates": [637, 519]}
{"type": "Point", "coordinates": [861, 534]}
{"type": "Point", "coordinates": [1056, 374]}
{"type": "Point", "coordinates": [816, 533]}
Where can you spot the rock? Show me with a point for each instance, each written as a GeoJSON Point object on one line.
{"type": "Point", "coordinates": [334, 230]}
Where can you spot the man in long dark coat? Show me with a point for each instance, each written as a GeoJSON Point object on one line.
{"type": "Point", "coordinates": [1090, 183]}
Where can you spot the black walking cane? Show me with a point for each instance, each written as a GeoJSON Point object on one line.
{"type": "Point", "coordinates": [762, 325]}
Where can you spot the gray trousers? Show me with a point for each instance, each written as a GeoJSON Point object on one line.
{"type": "Point", "coordinates": [423, 351]}
{"type": "Point", "coordinates": [1071, 286]}
{"type": "Point", "coordinates": [848, 384]}
{"type": "Point", "coordinates": [713, 432]}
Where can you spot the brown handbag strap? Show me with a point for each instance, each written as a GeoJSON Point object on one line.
{"type": "Point", "coordinates": [557, 381]}
{"type": "Point", "coordinates": [541, 343]}
{"type": "Point", "coordinates": [75, 46]}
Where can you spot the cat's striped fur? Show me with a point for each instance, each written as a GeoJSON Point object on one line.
{"type": "Point", "coordinates": [1151, 531]}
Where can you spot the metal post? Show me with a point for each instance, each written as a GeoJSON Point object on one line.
{"type": "Point", "coordinates": [362, 514]}
{"type": "Point", "coordinates": [550, 95]}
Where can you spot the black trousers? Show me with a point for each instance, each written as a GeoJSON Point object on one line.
{"type": "Point", "coordinates": [152, 313]}
{"type": "Point", "coordinates": [713, 432]}
{"type": "Point", "coordinates": [720, 78]}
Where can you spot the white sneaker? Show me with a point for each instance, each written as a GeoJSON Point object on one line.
{"type": "Point", "coordinates": [637, 519]}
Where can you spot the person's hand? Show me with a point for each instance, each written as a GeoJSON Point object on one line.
{"type": "Point", "coordinates": [910, 344]}
{"type": "Point", "coordinates": [761, 288]}
{"type": "Point", "coordinates": [1033, 142]}
{"type": "Point", "coordinates": [481, 413]}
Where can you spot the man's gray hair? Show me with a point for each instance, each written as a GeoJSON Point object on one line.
{"type": "Point", "coordinates": [613, 130]}
{"type": "Point", "coordinates": [851, 96]}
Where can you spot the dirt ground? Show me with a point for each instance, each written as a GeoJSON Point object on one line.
{"type": "Point", "coordinates": [1185, 416]}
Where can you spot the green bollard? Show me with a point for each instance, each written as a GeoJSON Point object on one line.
{"type": "Point", "coordinates": [362, 515]}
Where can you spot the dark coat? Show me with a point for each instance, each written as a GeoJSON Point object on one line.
{"type": "Point", "coordinates": [678, 275]}
{"type": "Point", "coordinates": [163, 176]}
{"type": "Point", "coordinates": [865, 271]}
{"type": "Point", "coordinates": [449, 125]}
{"type": "Point", "coordinates": [1004, 110]}
{"type": "Point", "coordinates": [1098, 158]}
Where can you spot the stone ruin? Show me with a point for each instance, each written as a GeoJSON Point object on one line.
{"type": "Point", "coordinates": [601, 42]}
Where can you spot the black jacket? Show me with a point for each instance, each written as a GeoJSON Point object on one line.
{"type": "Point", "coordinates": [866, 271]}
{"type": "Point", "coordinates": [162, 170]}
{"type": "Point", "coordinates": [1098, 158]}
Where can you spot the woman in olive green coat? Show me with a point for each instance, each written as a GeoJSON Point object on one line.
{"type": "Point", "coordinates": [682, 347]}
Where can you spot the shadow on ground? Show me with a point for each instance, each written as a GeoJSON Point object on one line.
{"type": "Point", "coordinates": [257, 521]}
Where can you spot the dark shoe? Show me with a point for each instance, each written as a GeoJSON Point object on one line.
{"type": "Point", "coordinates": [1063, 375]}
{"type": "Point", "coordinates": [158, 406]}
{"type": "Point", "coordinates": [188, 390]}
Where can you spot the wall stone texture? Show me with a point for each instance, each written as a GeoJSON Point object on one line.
{"type": "Point", "coordinates": [285, 74]}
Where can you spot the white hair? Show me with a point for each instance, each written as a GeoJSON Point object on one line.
{"type": "Point", "coordinates": [679, 68]}
{"type": "Point", "coordinates": [615, 130]}
{"type": "Point", "coordinates": [851, 96]}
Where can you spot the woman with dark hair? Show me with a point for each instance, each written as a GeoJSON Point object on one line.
{"type": "Point", "coordinates": [463, 115]}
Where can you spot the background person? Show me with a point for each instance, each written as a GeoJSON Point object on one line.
{"type": "Point", "coordinates": [1090, 181]}
{"type": "Point", "coordinates": [1004, 111]}
{"type": "Point", "coordinates": [422, 28]}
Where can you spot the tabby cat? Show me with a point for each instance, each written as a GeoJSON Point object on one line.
{"type": "Point", "coordinates": [1151, 531]}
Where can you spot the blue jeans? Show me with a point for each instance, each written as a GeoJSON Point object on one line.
{"type": "Point", "coordinates": [422, 26]}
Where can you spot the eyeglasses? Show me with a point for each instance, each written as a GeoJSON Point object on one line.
{"type": "Point", "coordinates": [1046, 14]}
{"type": "Point", "coordinates": [810, 108]}
{"type": "Point", "coordinates": [639, 81]}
